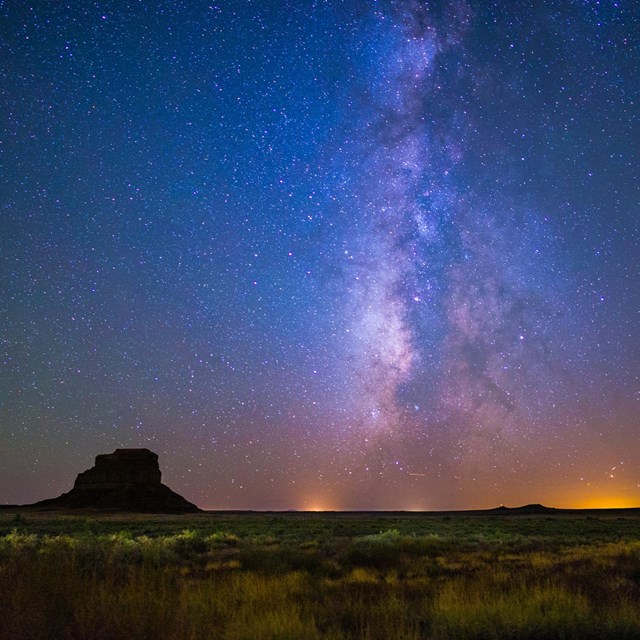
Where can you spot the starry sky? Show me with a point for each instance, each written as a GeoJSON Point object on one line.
{"type": "Point", "coordinates": [338, 254]}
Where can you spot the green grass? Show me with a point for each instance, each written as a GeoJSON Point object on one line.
{"type": "Point", "coordinates": [329, 576]}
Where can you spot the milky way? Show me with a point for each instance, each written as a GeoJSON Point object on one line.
{"type": "Point", "coordinates": [323, 255]}
{"type": "Point", "coordinates": [391, 218]}
{"type": "Point", "coordinates": [493, 343]}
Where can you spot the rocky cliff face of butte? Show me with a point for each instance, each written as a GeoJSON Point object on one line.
{"type": "Point", "coordinates": [125, 480]}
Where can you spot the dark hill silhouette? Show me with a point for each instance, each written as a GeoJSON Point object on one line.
{"type": "Point", "coordinates": [125, 480]}
{"type": "Point", "coordinates": [525, 509]}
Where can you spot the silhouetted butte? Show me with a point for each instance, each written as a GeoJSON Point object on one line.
{"type": "Point", "coordinates": [125, 480]}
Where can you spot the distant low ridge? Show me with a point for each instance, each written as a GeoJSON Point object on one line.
{"type": "Point", "coordinates": [527, 508]}
{"type": "Point", "coordinates": [125, 480]}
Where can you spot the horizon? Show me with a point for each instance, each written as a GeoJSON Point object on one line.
{"type": "Point", "coordinates": [520, 507]}
{"type": "Point", "coordinates": [323, 255]}
{"type": "Point", "coordinates": [602, 504]}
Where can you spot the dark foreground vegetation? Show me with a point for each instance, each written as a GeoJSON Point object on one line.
{"type": "Point", "coordinates": [306, 576]}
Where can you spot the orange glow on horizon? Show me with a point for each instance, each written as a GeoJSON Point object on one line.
{"type": "Point", "coordinates": [317, 506]}
{"type": "Point", "coordinates": [607, 502]}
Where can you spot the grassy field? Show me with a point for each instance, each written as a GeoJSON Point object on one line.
{"type": "Point", "coordinates": [306, 576]}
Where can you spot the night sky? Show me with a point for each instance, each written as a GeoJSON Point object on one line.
{"type": "Point", "coordinates": [323, 255]}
